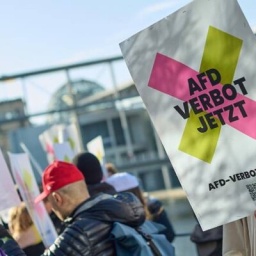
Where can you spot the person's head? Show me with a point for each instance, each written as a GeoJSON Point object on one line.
{"type": "Point", "coordinates": [90, 167]}
{"type": "Point", "coordinates": [63, 187]}
{"type": "Point", "coordinates": [126, 182]}
{"type": "Point", "coordinates": [19, 219]}
{"type": "Point", "coordinates": [111, 169]}
{"type": "Point", "coordinates": [123, 181]}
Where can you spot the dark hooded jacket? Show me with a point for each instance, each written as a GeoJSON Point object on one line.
{"type": "Point", "coordinates": [88, 228]}
{"type": "Point", "coordinates": [102, 187]}
{"type": "Point", "coordinates": [8, 245]}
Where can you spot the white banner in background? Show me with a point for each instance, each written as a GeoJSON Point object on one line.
{"type": "Point", "coordinates": [25, 179]}
{"type": "Point", "coordinates": [47, 139]}
{"type": "Point", "coordinates": [8, 193]}
{"type": "Point", "coordinates": [70, 134]}
{"type": "Point", "coordinates": [195, 71]}
{"type": "Point", "coordinates": [96, 147]}
{"type": "Point", "coordinates": [63, 152]}
{"type": "Point", "coordinates": [58, 134]}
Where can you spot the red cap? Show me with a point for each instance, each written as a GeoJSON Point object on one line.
{"type": "Point", "coordinates": [57, 175]}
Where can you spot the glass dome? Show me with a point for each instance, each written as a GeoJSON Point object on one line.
{"type": "Point", "coordinates": [81, 89]}
{"type": "Point", "coordinates": [62, 99]}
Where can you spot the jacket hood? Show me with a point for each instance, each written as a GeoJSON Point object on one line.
{"type": "Point", "coordinates": [122, 207]}
{"type": "Point", "coordinates": [102, 187]}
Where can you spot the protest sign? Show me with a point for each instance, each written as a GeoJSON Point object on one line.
{"type": "Point", "coordinates": [96, 147]}
{"type": "Point", "coordinates": [47, 139]}
{"type": "Point", "coordinates": [8, 193]}
{"type": "Point", "coordinates": [70, 134]}
{"type": "Point", "coordinates": [195, 71]}
{"type": "Point", "coordinates": [58, 134]}
{"type": "Point", "coordinates": [25, 179]}
{"type": "Point", "coordinates": [63, 152]}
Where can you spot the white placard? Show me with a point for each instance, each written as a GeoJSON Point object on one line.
{"type": "Point", "coordinates": [195, 71]}
{"type": "Point", "coordinates": [58, 134]}
{"type": "Point", "coordinates": [70, 134]}
{"type": "Point", "coordinates": [96, 147]}
{"type": "Point", "coordinates": [25, 179]}
{"type": "Point", "coordinates": [63, 152]}
{"type": "Point", "coordinates": [8, 193]}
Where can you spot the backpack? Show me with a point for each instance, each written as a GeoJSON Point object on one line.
{"type": "Point", "coordinates": [141, 241]}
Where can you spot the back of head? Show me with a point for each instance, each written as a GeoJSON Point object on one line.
{"type": "Point", "coordinates": [111, 169]}
{"type": "Point", "coordinates": [57, 175]}
{"type": "Point", "coordinates": [19, 219]}
{"type": "Point", "coordinates": [90, 167]}
{"type": "Point", "coordinates": [126, 182]}
{"type": "Point", "coordinates": [64, 186]}
{"type": "Point", "coordinates": [123, 181]}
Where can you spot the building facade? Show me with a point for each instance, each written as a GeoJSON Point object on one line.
{"type": "Point", "coordinates": [120, 118]}
{"type": "Point", "coordinates": [12, 115]}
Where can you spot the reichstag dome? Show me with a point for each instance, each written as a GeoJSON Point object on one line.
{"type": "Point", "coordinates": [62, 99]}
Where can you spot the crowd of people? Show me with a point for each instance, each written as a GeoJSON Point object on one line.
{"type": "Point", "coordinates": [83, 205]}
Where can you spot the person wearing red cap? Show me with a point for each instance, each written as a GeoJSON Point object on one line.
{"type": "Point", "coordinates": [89, 220]}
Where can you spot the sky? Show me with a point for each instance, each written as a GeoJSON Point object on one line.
{"type": "Point", "coordinates": [44, 34]}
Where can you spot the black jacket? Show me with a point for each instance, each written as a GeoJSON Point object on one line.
{"type": "Point", "coordinates": [34, 250]}
{"type": "Point", "coordinates": [102, 187]}
{"type": "Point", "coordinates": [8, 245]}
{"type": "Point", "coordinates": [88, 230]}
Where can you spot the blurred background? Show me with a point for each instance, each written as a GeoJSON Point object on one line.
{"type": "Point", "coordinates": [60, 63]}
